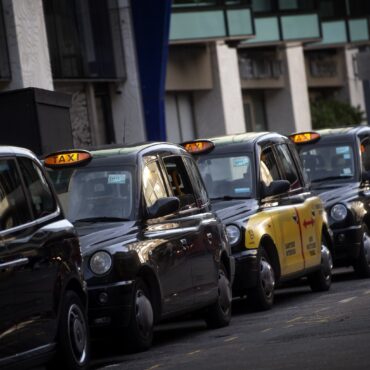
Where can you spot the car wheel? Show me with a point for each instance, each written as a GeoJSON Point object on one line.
{"type": "Point", "coordinates": [73, 348]}
{"type": "Point", "coordinates": [320, 280]}
{"type": "Point", "coordinates": [219, 314]}
{"type": "Point", "coordinates": [261, 297]}
{"type": "Point", "coordinates": [139, 333]}
{"type": "Point", "coordinates": [362, 264]}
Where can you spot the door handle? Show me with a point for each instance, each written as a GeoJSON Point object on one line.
{"type": "Point", "coordinates": [14, 263]}
{"type": "Point", "coordinates": [295, 218]}
{"type": "Point", "coordinates": [210, 237]}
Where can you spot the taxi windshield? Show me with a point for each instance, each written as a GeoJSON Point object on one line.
{"type": "Point", "coordinates": [328, 161]}
{"type": "Point", "coordinates": [227, 176]}
{"type": "Point", "coordinates": [95, 194]}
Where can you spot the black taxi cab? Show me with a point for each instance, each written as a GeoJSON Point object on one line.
{"type": "Point", "coordinates": [337, 163]}
{"type": "Point", "coordinates": [43, 298]}
{"type": "Point", "coordinates": [277, 229]}
{"type": "Point", "coordinates": [151, 245]}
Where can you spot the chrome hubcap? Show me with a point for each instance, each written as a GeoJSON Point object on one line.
{"type": "Point", "coordinates": [77, 333]}
{"type": "Point", "coordinates": [326, 261]}
{"type": "Point", "coordinates": [144, 313]}
{"type": "Point", "coordinates": [267, 277]}
{"type": "Point", "coordinates": [366, 244]}
{"type": "Point", "coordinates": [224, 292]}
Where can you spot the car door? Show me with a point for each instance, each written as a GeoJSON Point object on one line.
{"type": "Point", "coordinates": [205, 242]}
{"type": "Point", "coordinates": [167, 238]}
{"type": "Point", "coordinates": [14, 215]}
{"type": "Point", "coordinates": [283, 214]}
{"type": "Point", "coordinates": [306, 207]}
{"type": "Point", "coordinates": [36, 247]}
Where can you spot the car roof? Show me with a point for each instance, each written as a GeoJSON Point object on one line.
{"type": "Point", "coordinates": [344, 132]}
{"type": "Point", "coordinates": [130, 153]}
{"type": "Point", "coordinates": [7, 150]}
{"type": "Point", "coordinates": [245, 141]}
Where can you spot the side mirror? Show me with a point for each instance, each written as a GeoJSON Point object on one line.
{"type": "Point", "coordinates": [163, 207]}
{"type": "Point", "coordinates": [275, 188]}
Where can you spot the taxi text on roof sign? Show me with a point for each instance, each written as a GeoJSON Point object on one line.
{"type": "Point", "coordinates": [198, 146]}
{"type": "Point", "coordinates": [67, 158]}
{"type": "Point", "coordinates": [304, 137]}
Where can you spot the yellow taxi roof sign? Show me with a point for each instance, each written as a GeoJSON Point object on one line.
{"type": "Point", "coordinates": [67, 158]}
{"type": "Point", "coordinates": [304, 137]}
{"type": "Point", "coordinates": [198, 146]}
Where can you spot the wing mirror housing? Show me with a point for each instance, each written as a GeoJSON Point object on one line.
{"type": "Point", "coordinates": [163, 207]}
{"type": "Point", "coordinates": [275, 188]}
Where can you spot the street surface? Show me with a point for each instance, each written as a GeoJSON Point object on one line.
{"type": "Point", "coordinates": [304, 330]}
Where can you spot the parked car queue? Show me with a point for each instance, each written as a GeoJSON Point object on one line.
{"type": "Point", "coordinates": [153, 244]}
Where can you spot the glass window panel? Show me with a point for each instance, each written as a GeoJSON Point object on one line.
{"type": "Point", "coordinates": [333, 32]}
{"type": "Point", "coordinates": [14, 209]}
{"type": "Point", "coordinates": [191, 3]}
{"type": "Point", "coordinates": [300, 27]}
{"type": "Point", "coordinates": [240, 22]}
{"type": "Point", "coordinates": [268, 167]}
{"type": "Point", "coordinates": [332, 8]}
{"type": "Point", "coordinates": [195, 25]}
{"type": "Point", "coordinates": [358, 30]}
{"type": "Point", "coordinates": [42, 199]}
{"type": "Point", "coordinates": [288, 4]}
{"type": "Point", "coordinates": [4, 57]}
{"type": "Point", "coordinates": [153, 185]}
{"type": "Point", "coordinates": [261, 6]}
{"type": "Point", "coordinates": [267, 29]}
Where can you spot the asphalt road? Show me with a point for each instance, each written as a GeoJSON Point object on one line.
{"type": "Point", "coordinates": [304, 330]}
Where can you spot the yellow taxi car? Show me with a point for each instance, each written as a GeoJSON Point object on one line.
{"type": "Point", "coordinates": [277, 229]}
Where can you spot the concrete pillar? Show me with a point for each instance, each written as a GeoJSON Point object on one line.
{"type": "Point", "coordinates": [126, 99]}
{"type": "Point", "coordinates": [354, 86]}
{"type": "Point", "coordinates": [28, 44]}
{"type": "Point", "coordinates": [220, 110]}
{"type": "Point", "coordinates": [288, 109]}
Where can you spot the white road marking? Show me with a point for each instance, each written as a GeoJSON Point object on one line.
{"type": "Point", "coordinates": [366, 292]}
{"type": "Point", "coordinates": [296, 319]}
{"type": "Point", "coordinates": [268, 329]}
{"type": "Point", "coordinates": [230, 339]}
{"type": "Point", "coordinates": [347, 300]}
{"type": "Point", "coordinates": [194, 352]}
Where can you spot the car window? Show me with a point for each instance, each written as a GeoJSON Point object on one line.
{"type": "Point", "coordinates": [365, 154]}
{"type": "Point", "coordinates": [328, 161]}
{"type": "Point", "coordinates": [179, 181]}
{"type": "Point", "coordinates": [42, 199]}
{"type": "Point", "coordinates": [94, 192]}
{"type": "Point", "coordinates": [288, 166]}
{"type": "Point", "coordinates": [227, 175]}
{"type": "Point", "coordinates": [153, 184]}
{"type": "Point", "coordinates": [14, 210]}
{"type": "Point", "coordinates": [269, 167]}
{"type": "Point", "coordinates": [200, 191]}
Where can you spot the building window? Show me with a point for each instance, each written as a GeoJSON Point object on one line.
{"type": "Point", "coordinates": [254, 111]}
{"type": "Point", "coordinates": [4, 56]}
{"type": "Point", "coordinates": [84, 39]}
{"type": "Point", "coordinates": [179, 117]}
{"type": "Point", "coordinates": [323, 64]}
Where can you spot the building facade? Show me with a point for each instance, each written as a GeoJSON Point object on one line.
{"type": "Point", "coordinates": [232, 65]}
{"type": "Point", "coordinates": [275, 57]}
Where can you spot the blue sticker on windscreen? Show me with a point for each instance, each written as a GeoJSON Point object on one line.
{"type": "Point", "coordinates": [117, 178]}
{"type": "Point", "coordinates": [242, 190]}
{"type": "Point", "coordinates": [239, 162]}
{"type": "Point", "coordinates": [342, 149]}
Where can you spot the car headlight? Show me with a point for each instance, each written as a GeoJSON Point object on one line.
{"type": "Point", "coordinates": [338, 212]}
{"type": "Point", "coordinates": [100, 263]}
{"type": "Point", "coordinates": [233, 234]}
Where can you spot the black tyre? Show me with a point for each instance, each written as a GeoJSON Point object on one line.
{"type": "Point", "coordinates": [261, 297]}
{"type": "Point", "coordinates": [139, 333]}
{"type": "Point", "coordinates": [362, 264]}
{"type": "Point", "coordinates": [320, 280]}
{"type": "Point", "coordinates": [219, 314]}
{"type": "Point", "coordinates": [73, 347]}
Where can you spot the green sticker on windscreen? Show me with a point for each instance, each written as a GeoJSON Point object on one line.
{"type": "Point", "coordinates": [117, 178]}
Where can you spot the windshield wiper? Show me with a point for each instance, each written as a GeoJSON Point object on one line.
{"type": "Point", "coordinates": [102, 219]}
{"type": "Point", "coordinates": [229, 197]}
{"type": "Point", "coordinates": [332, 178]}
